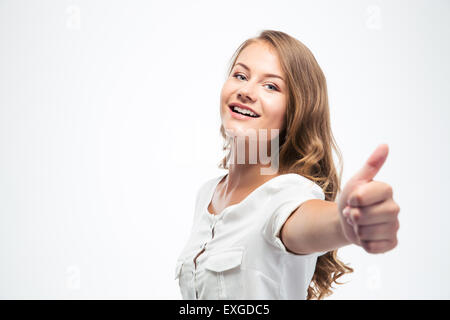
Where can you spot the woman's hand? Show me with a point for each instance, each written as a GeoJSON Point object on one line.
{"type": "Point", "coordinates": [368, 213]}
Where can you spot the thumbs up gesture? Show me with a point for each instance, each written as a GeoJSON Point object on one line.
{"type": "Point", "coordinates": [368, 213]}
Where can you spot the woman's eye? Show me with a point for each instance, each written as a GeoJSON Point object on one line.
{"type": "Point", "coordinates": [274, 88]}
{"type": "Point", "coordinates": [236, 75]}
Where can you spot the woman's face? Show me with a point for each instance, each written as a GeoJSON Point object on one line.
{"type": "Point", "coordinates": [256, 81]}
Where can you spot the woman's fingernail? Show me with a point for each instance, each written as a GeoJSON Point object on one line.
{"type": "Point", "coordinates": [346, 212]}
{"type": "Point", "coordinates": [349, 221]}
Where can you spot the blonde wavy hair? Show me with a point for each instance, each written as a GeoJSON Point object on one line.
{"type": "Point", "coordinates": [306, 142]}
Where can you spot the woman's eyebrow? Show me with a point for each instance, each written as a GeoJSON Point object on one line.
{"type": "Point", "coordinates": [265, 75]}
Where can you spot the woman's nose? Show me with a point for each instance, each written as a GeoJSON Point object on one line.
{"type": "Point", "coordinates": [246, 92]}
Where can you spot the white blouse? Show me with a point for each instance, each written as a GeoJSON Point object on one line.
{"type": "Point", "coordinates": [240, 254]}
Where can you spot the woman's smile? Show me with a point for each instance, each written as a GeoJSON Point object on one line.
{"type": "Point", "coordinates": [238, 114]}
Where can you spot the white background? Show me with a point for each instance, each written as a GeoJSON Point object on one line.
{"type": "Point", "coordinates": [109, 123]}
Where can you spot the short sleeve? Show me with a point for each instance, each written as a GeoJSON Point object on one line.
{"type": "Point", "coordinates": [283, 203]}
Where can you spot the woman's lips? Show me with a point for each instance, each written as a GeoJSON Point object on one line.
{"type": "Point", "coordinates": [239, 116]}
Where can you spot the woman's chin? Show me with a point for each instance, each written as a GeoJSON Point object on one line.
{"type": "Point", "coordinates": [239, 129]}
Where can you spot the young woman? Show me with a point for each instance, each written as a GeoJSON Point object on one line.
{"type": "Point", "coordinates": [274, 234]}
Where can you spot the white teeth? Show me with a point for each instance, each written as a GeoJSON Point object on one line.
{"type": "Point", "coordinates": [245, 111]}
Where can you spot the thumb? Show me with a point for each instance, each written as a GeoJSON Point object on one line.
{"type": "Point", "coordinates": [373, 164]}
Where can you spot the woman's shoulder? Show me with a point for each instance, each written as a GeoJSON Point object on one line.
{"type": "Point", "coordinates": [292, 178]}
{"type": "Point", "coordinates": [294, 181]}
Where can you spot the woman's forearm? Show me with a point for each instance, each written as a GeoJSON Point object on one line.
{"type": "Point", "coordinates": [312, 227]}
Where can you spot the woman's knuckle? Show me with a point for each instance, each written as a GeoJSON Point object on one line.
{"type": "Point", "coordinates": [394, 242]}
{"type": "Point", "coordinates": [389, 190]}
{"type": "Point", "coordinates": [395, 209]}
